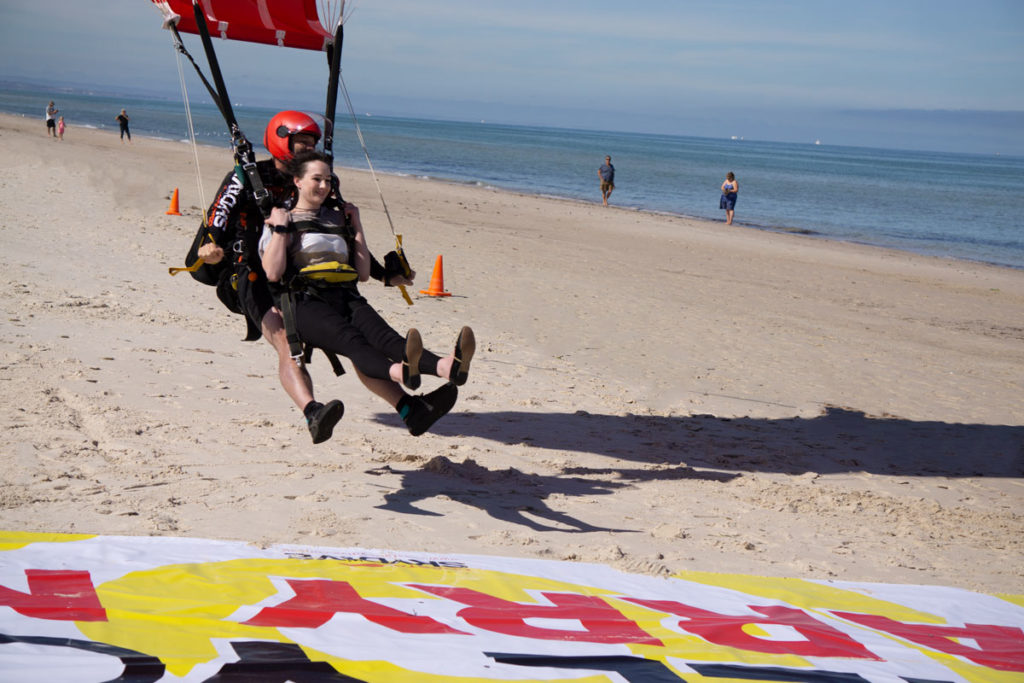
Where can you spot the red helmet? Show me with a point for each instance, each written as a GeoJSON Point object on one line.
{"type": "Point", "coordinates": [282, 127]}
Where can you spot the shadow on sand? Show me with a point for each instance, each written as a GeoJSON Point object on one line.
{"type": "Point", "coordinates": [720, 449]}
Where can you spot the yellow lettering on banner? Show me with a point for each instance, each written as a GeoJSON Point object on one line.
{"type": "Point", "coordinates": [1015, 599]}
{"type": "Point", "coordinates": [12, 540]}
{"type": "Point", "coordinates": [383, 619]}
{"type": "Point", "coordinates": [809, 595]}
{"type": "Point", "coordinates": [814, 597]}
{"type": "Point", "coordinates": [178, 612]}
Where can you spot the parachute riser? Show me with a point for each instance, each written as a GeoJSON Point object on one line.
{"type": "Point", "coordinates": [245, 158]}
{"type": "Point", "coordinates": [215, 72]}
{"type": "Point", "coordinates": [334, 75]}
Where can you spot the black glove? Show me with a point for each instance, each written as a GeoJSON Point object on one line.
{"type": "Point", "coordinates": [393, 266]}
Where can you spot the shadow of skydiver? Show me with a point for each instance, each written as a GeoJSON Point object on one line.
{"type": "Point", "coordinates": [837, 441]}
{"type": "Point", "coordinates": [512, 496]}
{"type": "Point", "coordinates": [508, 495]}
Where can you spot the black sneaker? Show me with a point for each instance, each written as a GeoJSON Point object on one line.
{"type": "Point", "coordinates": [411, 359]}
{"type": "Point", "coordinates": [427, 409]}
{"type": "Point", "coordinates": [465, 346]}
{"type": "Point", "coordinates": [321, 424]}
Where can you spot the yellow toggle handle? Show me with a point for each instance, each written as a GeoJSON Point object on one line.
{"type": "Point", "coordinates": [405, 264]}
{"type": "Point", "coordinates": [195, 266]}
{"type": "Point", "coordinates": [405, 295]}
{"type": "Point", "coordinates": [190, 269]}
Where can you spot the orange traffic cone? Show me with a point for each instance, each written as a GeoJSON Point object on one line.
{"type": "Point", "coordinates": [436, 280]}
{"type": "Point", "coordinates": [173, 211]}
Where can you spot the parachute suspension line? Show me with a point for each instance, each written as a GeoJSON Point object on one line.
{"type": "Point", "coordinates": [362, 143]}
{"type": "Point", "coordinates": [332, 13]}
{"type": "Point", "coordinates": [191, 128]}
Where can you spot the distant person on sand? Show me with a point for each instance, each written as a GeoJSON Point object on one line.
{"type": "Point", "coordinates": [322, 236]}
{"type": "Point", "coordinates": [51, 119]}
{"type": "Point", "coordinates": [730, 187]}
{"type": "Point", "coordinates": [122, 119]}
{"type": "Point", "coordinates": [607, 175]}
{"type": "Point", "coordinates": [60, 128]}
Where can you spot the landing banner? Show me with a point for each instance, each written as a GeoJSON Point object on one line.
{"type": "Point", "coordinates": [108, 608]}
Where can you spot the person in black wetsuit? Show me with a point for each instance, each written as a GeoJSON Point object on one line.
{"type": "Point", "coordinates": [122, 120]}
{"type": "Point", "coordinates": [317, 233]}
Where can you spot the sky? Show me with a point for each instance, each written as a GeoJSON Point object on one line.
{"type": "Point", "coordinates": [915, 74]}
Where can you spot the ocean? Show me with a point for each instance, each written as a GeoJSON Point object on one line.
{"type": "Point", "coordinates": [960, 206]}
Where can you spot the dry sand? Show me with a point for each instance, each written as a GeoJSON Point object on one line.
{"type": "Point", "coordinates": [649, 392]}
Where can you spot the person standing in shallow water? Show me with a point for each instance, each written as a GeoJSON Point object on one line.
{"type": "Point", "coordinates": [730, 188]}
{"type": "Point", "coordinates": [122, 120]}
{"type": "Point", "coordinates": [607, 175]}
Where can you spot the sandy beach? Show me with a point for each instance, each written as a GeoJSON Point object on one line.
{"type": "Point", "coordinates": [649, 392]}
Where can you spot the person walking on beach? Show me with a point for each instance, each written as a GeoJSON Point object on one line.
{"type": "Point", "coordinates": [730, 188]}
{"type": "Point", "coordinates": [607, 175]}
{"type": "Point", "coordinates": [60, 128]}
{"type": "Point", "coordinates": [51, 119]}
{"type": "Point", "coordinates": [122, 120]}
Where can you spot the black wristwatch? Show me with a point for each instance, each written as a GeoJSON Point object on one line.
{"type": "Point", "coordinates": [285, 229]}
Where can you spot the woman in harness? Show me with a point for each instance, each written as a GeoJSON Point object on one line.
{"type": "Point", "coordinates": [317, 254]}
{"type": "Point", "coordinates": [235, 222]}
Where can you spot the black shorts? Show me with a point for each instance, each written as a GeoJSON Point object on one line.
{"type": "Point", "coordinates": [343, 322]}
{"type": "Point", "coordinates": [50, 123]}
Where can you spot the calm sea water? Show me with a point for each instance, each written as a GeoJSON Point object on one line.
{"type": "Point", "coordinates": [954, 205]}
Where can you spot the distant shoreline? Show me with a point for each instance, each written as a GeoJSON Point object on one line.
{"type": "Point", "coordinates": [739, 223]}
{"type": "Point", "coordinates": [650, 392]}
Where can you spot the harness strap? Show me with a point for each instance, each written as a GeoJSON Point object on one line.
{"type": "Point", "coordinates": [302, 353]}
{"type": "Point", "coordinates": [332, 357]}
{"type": "Point", "coordinates": [247, 171]}
{"type": "Point", "coordinates": [287, 303]}
{"type": "Point", "coordinates": [252, 330]}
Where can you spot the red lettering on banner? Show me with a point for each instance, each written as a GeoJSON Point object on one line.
{"type": "Point", "coordinates": [821, 640]}
{"type": "Point", "coordinates": [58, 595]}
{"type": "Point", "coordinates": [602, 622]}
{"type": "Point", "coordinates": [316, 601]}
{"type": "Point", "coordinates": [999, 647]}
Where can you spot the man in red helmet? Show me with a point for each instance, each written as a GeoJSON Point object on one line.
{"type": "Point", "coordinates": [235, 223]}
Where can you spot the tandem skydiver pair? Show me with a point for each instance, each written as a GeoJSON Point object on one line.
{"type": "Point", "coordinates": [310, 226]}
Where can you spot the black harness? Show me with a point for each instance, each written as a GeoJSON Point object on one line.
{"type": "Point", "coordinates": [296, 283]}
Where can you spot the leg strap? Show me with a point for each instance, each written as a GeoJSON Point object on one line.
{"type": "Point", "coordinates": [295, 350]}
{"type": "Point", "coordinates": [302, 353]}
{"type": "Point", "coordinates": [336, 365]}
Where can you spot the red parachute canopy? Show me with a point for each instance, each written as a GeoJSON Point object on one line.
{"type": "Point", "coordinates": [287, 23]}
